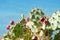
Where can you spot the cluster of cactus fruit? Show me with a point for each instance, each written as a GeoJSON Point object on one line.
{"type": "Point", "coordinates": [35, 27]}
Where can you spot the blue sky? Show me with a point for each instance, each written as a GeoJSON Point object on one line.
{"type": "Point", "coordinates": [12, 9]}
